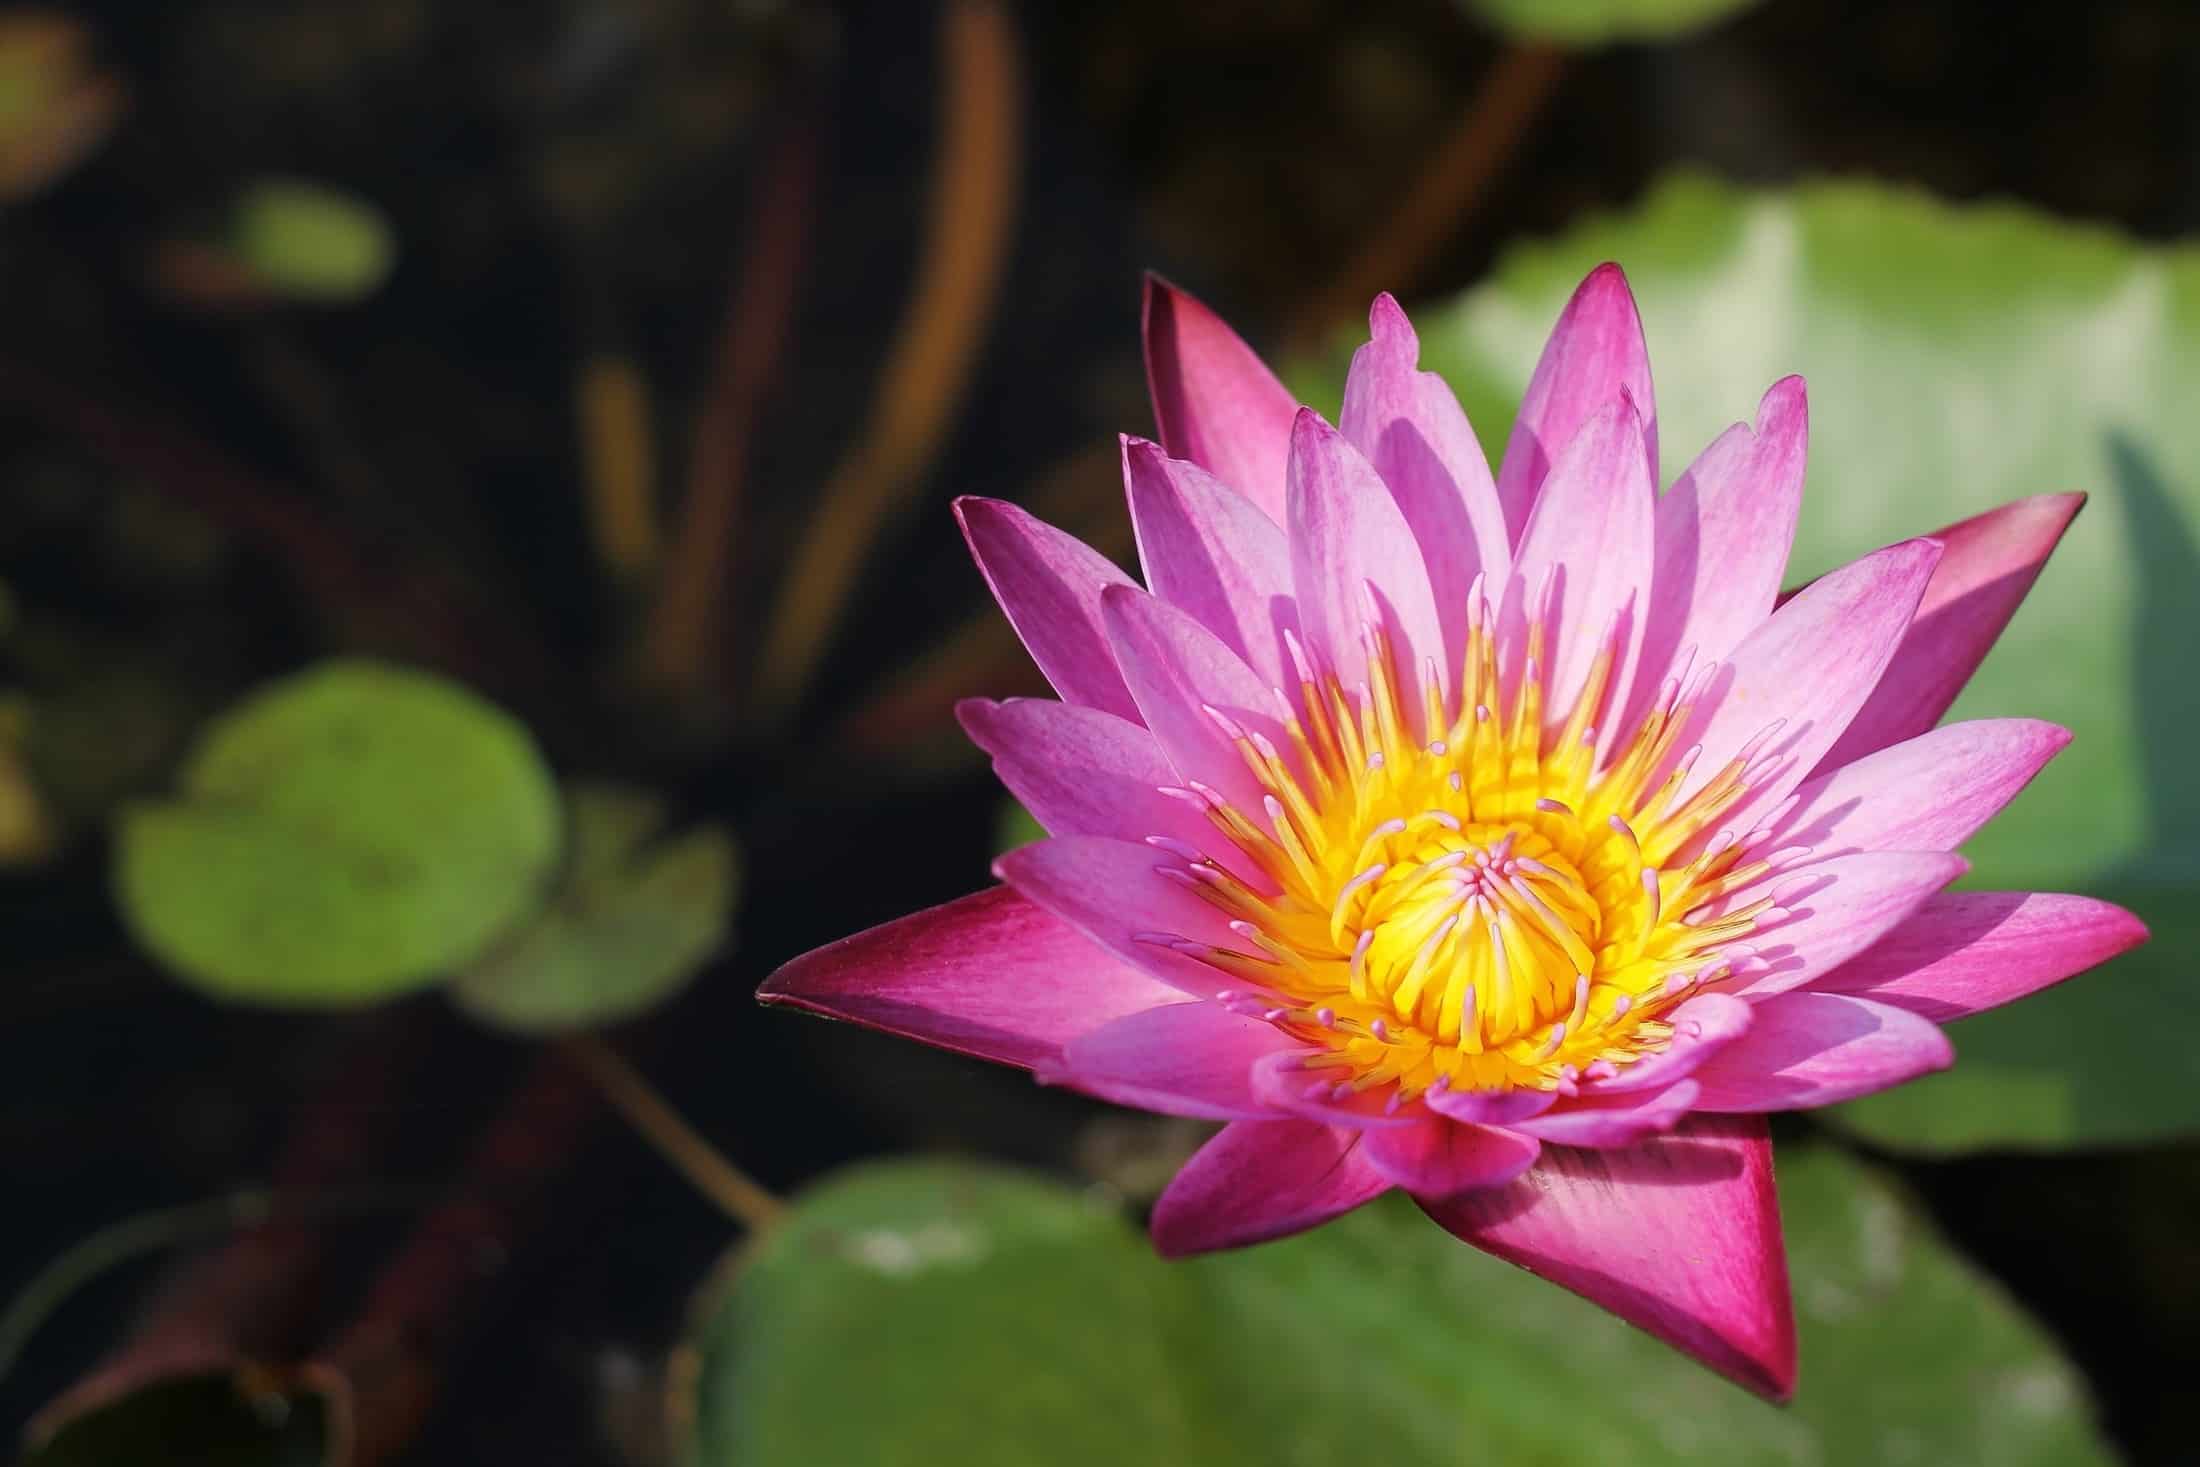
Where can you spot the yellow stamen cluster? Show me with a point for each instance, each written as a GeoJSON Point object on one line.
{"type": "Point", "coordinates": [1480, 899]}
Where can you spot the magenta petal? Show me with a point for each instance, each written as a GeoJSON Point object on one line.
{"type": "Point", "coordinates": [1181, 1059]}
{"type": "Point", "coordinates": [1182, 677]}
{"type": "Point", "coordinates": [1260, 1180]}
{"type": "Point", "coordinates": [1348, 536]}
{"type": "Point", "coordinates": [1284, 1082]}
{"type": "Point", "coordinates": [1440, 1158]}
{"type": "Point", "coordinates": [1964, 952]}
{"type": "Point", "coordinates": [1049, 584]}
{"type": "Point", "coordinates": [1809, 1049]}
{"type": "Point", "coordinates": [1702, 1026]}
{"type": "Point", "coordinates": [1930, 793]}
{"type": "Point", "coordinates": [1214, 401]}
{"type": "Point", "coordinates": [1412, 430]}
{"type": "Point", "coordinates": [988, 974]}
{"type": "Point", "coordinates": [1595, 353]}
{"type": "Point", "coordinates": [1988, 564]}
{"type": "Point", "coordinates": [1723, 530]}
{"type": "Point", "coordinates": [1809, 667]}
{"type": "Point", "coordinates": [1585, 557]}
{"type": "Point", "coordinates": [1489, 1107]}
{"type": "Point", "coordinates": [1679, 1235]}
{"type": "Point", "coordinates": [1114, 893]}
{"type": "Point", "coordinates": [1211, 551]}
{"type": "Point", "coordinates": [1605, 1120]}
{"type": "Point", "coordinates": [1832, 910]}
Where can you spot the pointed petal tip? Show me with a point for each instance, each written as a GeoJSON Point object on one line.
{"type": "Point", "coordinates": [1388, 326]}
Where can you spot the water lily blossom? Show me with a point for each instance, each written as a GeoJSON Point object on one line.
{"type": "Point", "coordinates": [1505, 839]}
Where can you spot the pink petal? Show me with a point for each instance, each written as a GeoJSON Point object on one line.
{"type": "Point", "coordinates": [1489, 1107]}
{"type": "Point", "coordinates": [1930, 793]}
{"type": "Point", "coordinates": [1440, 1158]}
{"type": "Point", "coordinates": [1989, 563]}
{"type": "Point", "coordinates": [1211, 551]}
{"type": "Point", "coordinates": [1049, 583]}
{"type": "Point", "coordinates": [1591, 539]}
{"type": "Point", "coordinates": [1412, 430]}
{"type": "Point", "coordinates": [1181, 676]}
{"type": "Point", "coordinates": [988, 974]}
{"type": "Point", "coordinates": [1283, 1082]}
{"type": "Point", "coordinates": [1260, 1180]}
{"type": "Point", "coordinates": [1809, 1049]}
{"type": "Point", "coordinates": [1347, 535]}
{"type": "Point", "coordinates": [1215, 402]}
{"type": "Point", "coordinates": [1723, 532]}
{"type": "Point", "coordinates": [1181, 1059]}
{"type": "Point", "coordinates": [1702, 1026]}
{"type": "Point", "coordinates": [1964, 952]}
{"type": "Point", "coordinates": [1808, 668]}
{"type": "Point", "coordinates": [1606, 1121]}
{"type": "Point", "coordinates": [1114, 893]}
{"type": "Point", "coordinates": [1834, 910]}
{"type": "Point", "coordinates": [1595, 353]}
{"type": "Point", "coordinates": [1679, 1235]}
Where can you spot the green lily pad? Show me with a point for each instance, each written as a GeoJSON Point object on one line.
{"type": "Point", "coordinates": [345, 834]}
{"type": "Point", "coordinates": [1015, 826]}
{"type": "Point", "coordinates": [1958, 357]}
{"type": "Point", "coordinates": [311, 242]}
{"type": "Point", "coordinates": [631, 923]}
{"type": "Point", "coordinates": [921, 1312]}
{"type": "Point", "coordinates": [1592, 22]}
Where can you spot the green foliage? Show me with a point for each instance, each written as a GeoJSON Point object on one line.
{"type": "Point", "coordinates": [310, 242]}
{"type": "Point", "coordinates": [1593, 22]}
{"type": "Point", "coordinates": [631, 923]}
{"type": "Point", "coordinates": [1958, 358]}
{"type": "Point", "coordinates": [988, 1317]}
{"type": "Point", "coordinates": [345, 834]}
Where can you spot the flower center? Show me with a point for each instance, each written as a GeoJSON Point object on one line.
{"type": "Point", "coordinates": [1485, 900]}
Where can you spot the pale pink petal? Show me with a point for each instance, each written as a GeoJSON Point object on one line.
{"type": "Point", "coordinates": [1723, 530]}
{"type": "Point", "coordinates": [1807, 670]}
{"type": "Point", "coordinates": [1214, 401]}
{"type": "Point", "coordinates": [1679, 1235]}
{"type": "Point", "coordinates": [1702, 1026]}
{"type": "Point", "coordinates": [1585, 558]}
{"type": "Point", "coordinates": [1605, 1121]}
{"type": "Point", "coordinates": [1489, 1107]}
{"type": "Point", "coordinates": [1930, 793]}
{"type": "Point", "coordinates": [1828, 912]}
{"type": "Point", "coordinates": [1259, 1180]}
{"type": "Point", "coordinates": [1181, 1059]}
{"type": "Point", "coordinates": [1347, 537]}
{"type": "Point", "coordinates": [1209, 550]}
{"type": "Point", "coordinates": [1989, 563]}
{"type": "Point", "coordinates": [1412, 430]}
{"type": "Point", "coordinates": [1182, 677]}
{"type": "Point", "coordinates": [1595, 353]}
{"type": "Point", "coordinates": [1809, 1049]}
{"type": "Point", "coordinates": [1440, 1158]}
{"type": "Point", "coordinates": [1114, 893]}
{"type": "Point", "coordinates": [1049, 584]}
{"type": "Point", "coordinates": [1964, 952]}
{"type": "Point", "coordinates": [988, 974]}
{"type": "Point", "coordinates": [1284, 1082]}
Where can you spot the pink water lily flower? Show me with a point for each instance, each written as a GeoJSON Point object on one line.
{"type": "Point", "coordinates": [1511, 841]}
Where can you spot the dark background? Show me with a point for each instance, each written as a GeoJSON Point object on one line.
{"type": "Point", "coordinates": [573, 179]}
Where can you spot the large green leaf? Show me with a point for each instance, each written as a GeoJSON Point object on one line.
{"type": "Point", "coordinates": [345, 834]}
{"type": "Point", "coordinates": [632, 921]}
{"type": "Point", "coordinates": [1589, 22]}
{"type": "Point", "coordinates": [1958, 357]}
{"type": "Point", "coordinates": [926, 1312]}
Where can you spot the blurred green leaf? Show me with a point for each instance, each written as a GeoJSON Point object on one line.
{"type": "Point", "coordinates": [927, 1312]}
{"type": "Point", "coordinates": [1591, 22]}
{"type": "Point", "coordinates": [1958, 358]}
{"type": "Point", "coordinates": [310, 242]}
{"type": "Point", "coordinates": [345, 834]}
{"type": "Point", "coordinates": [630, 924]}
{"type": "Point", "coordinates": [1014, 827]}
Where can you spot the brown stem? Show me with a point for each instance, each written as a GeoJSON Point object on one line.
{"type": "Point", "coordinates": [671, 1137]}
{"type": "Point", "coordinates": [1451, 185]}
